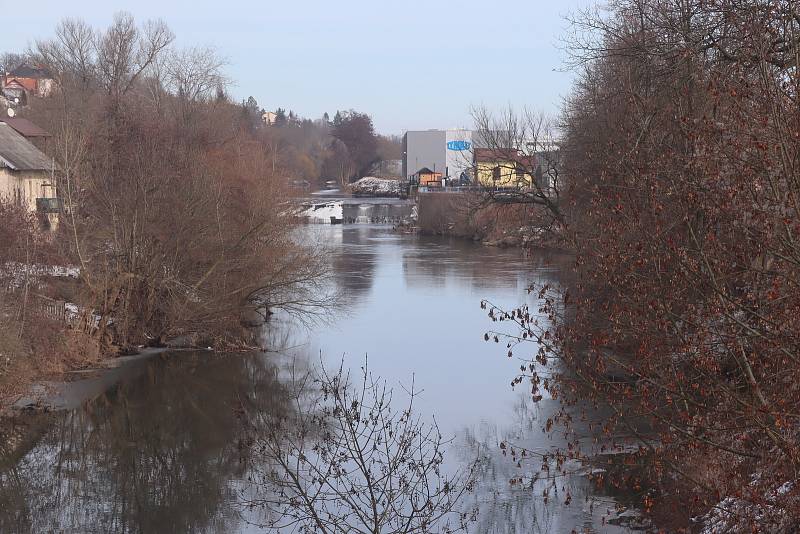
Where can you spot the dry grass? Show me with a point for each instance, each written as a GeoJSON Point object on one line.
{"type": "Point", "coordinates": [37, 348]}
{"type": "Point", "coordinates": [468, 215]}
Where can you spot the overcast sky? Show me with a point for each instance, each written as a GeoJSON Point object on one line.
{"type": "Point", "coordinates": [411, 64]}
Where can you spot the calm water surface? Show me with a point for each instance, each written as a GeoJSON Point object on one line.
{"type": "Point", "coordinates": [162, 451]}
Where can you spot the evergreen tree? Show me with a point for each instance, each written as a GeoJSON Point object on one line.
{"type": "Point", "coordinates": [252, 105]}
{"type": "Point", "coordinates": [221, 96]}
{"type": "Point", "coordinates": [252, 109]}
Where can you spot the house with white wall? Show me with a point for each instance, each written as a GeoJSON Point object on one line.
{"type": "Point", "coordinates": [27, 176]}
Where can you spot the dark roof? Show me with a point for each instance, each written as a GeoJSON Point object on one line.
{"type": "Point", "coordinates": [24, 71]}
{"type": "Point", "coordinates": [19, 153]}
{"type": "Point", "coordinates": [25, 127]}
{"type": "Point", "coordinates": [426, 170]}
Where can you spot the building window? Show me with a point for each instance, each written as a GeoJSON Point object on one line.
{"type": "Point", "coordinates": [496, 173]}
{"type": "Point", "coordinates": [520, 174]}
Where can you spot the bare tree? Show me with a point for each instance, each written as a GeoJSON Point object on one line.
{"type": "Point", "coordinates": [347, 461]}
{"type": "Point", "coordinates": [11, 60]}
{"type": "Point", "coordinates": [527, 146]}
{"type": "Point", "coordinates": [71, 53]}
{"type": "Point", "coordinates": [124, 51]}
{"type": "Point", "coordinates": [681, 142]}
{"type": "Point", "coordinates": [193, 75]}
{"type": "Point", "coordinates": [338, 163]}
{"type": "Point", "coordinates": [174, 211]}
{"type": "Point", "coordinates": [356, 131]}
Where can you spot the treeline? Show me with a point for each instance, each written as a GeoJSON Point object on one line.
{"type": "Point", "coordinates": [174, 210]}
{"type": "Point", "coordinates": [680, 149]}
{"type": "Point", "coordinates": [342, 149]}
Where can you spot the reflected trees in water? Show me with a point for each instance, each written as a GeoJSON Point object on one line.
{"type": "Point", "coordinates": [155, 454]}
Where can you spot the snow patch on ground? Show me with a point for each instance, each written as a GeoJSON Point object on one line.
{"type": "Point", "coordinates": [16, 273]}
{"type": "Point", "coordinates": [71, 310]}
{"type": "Point", "coordinates": [738, 515]}
{"type": "Point", "coordinates": [379, 187]}
{"type": "Point", "coordinates": [38, 269]}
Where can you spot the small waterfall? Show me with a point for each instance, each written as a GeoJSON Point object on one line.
{"type": "Point", "coordinates": [363, 216]}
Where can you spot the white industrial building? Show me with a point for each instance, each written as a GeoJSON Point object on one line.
{"type": "Point", "coordinates": [448, 152]}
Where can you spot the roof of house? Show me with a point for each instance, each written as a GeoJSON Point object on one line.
{"type": "Point", "coordinates": [493, 155]}
{"type": "Point", "coordinates": [426, 170]}
{"type": "Point", "coordinates": [14, 84]}
{"type": "Point", "coordinates": [25, 127]}
{"type": "Point", "coordinates": [19, 153]}
{"type": "Point", "coordinates": [25, 71]}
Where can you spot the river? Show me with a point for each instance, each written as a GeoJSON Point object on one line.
{"type": "Point", "coordinates": [161, 451]}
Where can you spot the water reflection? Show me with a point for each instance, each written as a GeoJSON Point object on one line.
{"type": "Point", "coordinates": [155, 454]}
{"type": "Point", "coordinates": [354, 261]}
{"type": "Point", "coordinates": [538, 500]}
{"type": "Point", "coordinates": [166, 450]}
{"type": "Point", "coordinates": [463, 264]}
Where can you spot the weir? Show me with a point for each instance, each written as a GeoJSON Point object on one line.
{"type": "Point", "coordinates": [358, 210]}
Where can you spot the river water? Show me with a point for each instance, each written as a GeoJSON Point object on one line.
{"type": "Point", "coordinates": [162, 450]}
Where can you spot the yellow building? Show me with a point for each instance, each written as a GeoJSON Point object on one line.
{"type": "Point", "coordinates": [26, 176]}
{"type": "Point", "coordinates": [503, 168]}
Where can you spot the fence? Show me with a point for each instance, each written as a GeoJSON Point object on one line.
{"type": "Point", "coordinates": [52, 308]}
{"type": "Point", "coordinates": [452, 189]}
{"type": "Point", "coordinates": [58, 310]}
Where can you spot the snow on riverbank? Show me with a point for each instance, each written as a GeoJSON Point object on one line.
{"type": "Point", "coordinates": [322, 213]}
{"type": "Point", "coordinates": [767, 514]}
{"type": "Point", "coordinates": [38, 269]}
{"type": "Point", "coordinates": [17, 273]}
{"type": "Point", "coordinates": [379, 187]}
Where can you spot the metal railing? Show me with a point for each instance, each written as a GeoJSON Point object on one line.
{"type": "Point", "coordinates": [49, 205]}
{"type": "Point", "coordinates": [452, 189]}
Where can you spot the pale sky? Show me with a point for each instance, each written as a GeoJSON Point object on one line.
{"type": "Point", "coordinates": [411, 64]}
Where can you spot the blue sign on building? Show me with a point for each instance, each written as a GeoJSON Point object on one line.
{"type": "Point", "coordinates": [458, 145]}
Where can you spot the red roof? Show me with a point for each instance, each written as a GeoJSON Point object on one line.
{"type": "Point", "coordinates": [14, 84]}
{"type": "Point", "coordinates": [491, 155]}
{"type": "Point", "coordinates": [25, 127]}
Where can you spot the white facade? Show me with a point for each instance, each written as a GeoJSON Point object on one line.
{"type": "Point", "coordinates": [24, 187]}
{"type": "Point", "coordinates": [458, 152]}
{"type": "Point", "coordinates": [449, 152]}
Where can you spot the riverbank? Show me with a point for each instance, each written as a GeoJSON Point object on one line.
{"type": "Point", "coordinates": [471, 216]}
{"type": "Point", "coordinates": [173, 422]}
{"type": "Point", "coordinates": [24, 419]}
{"type": "Point", "coordinates": [58, 352]}
{"type": "Point", "coordinates": [72, 387]}
{"type": "Point", "coordinates": [30, 416]}
{"type": "Point", "coordinates": [48, 351]}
